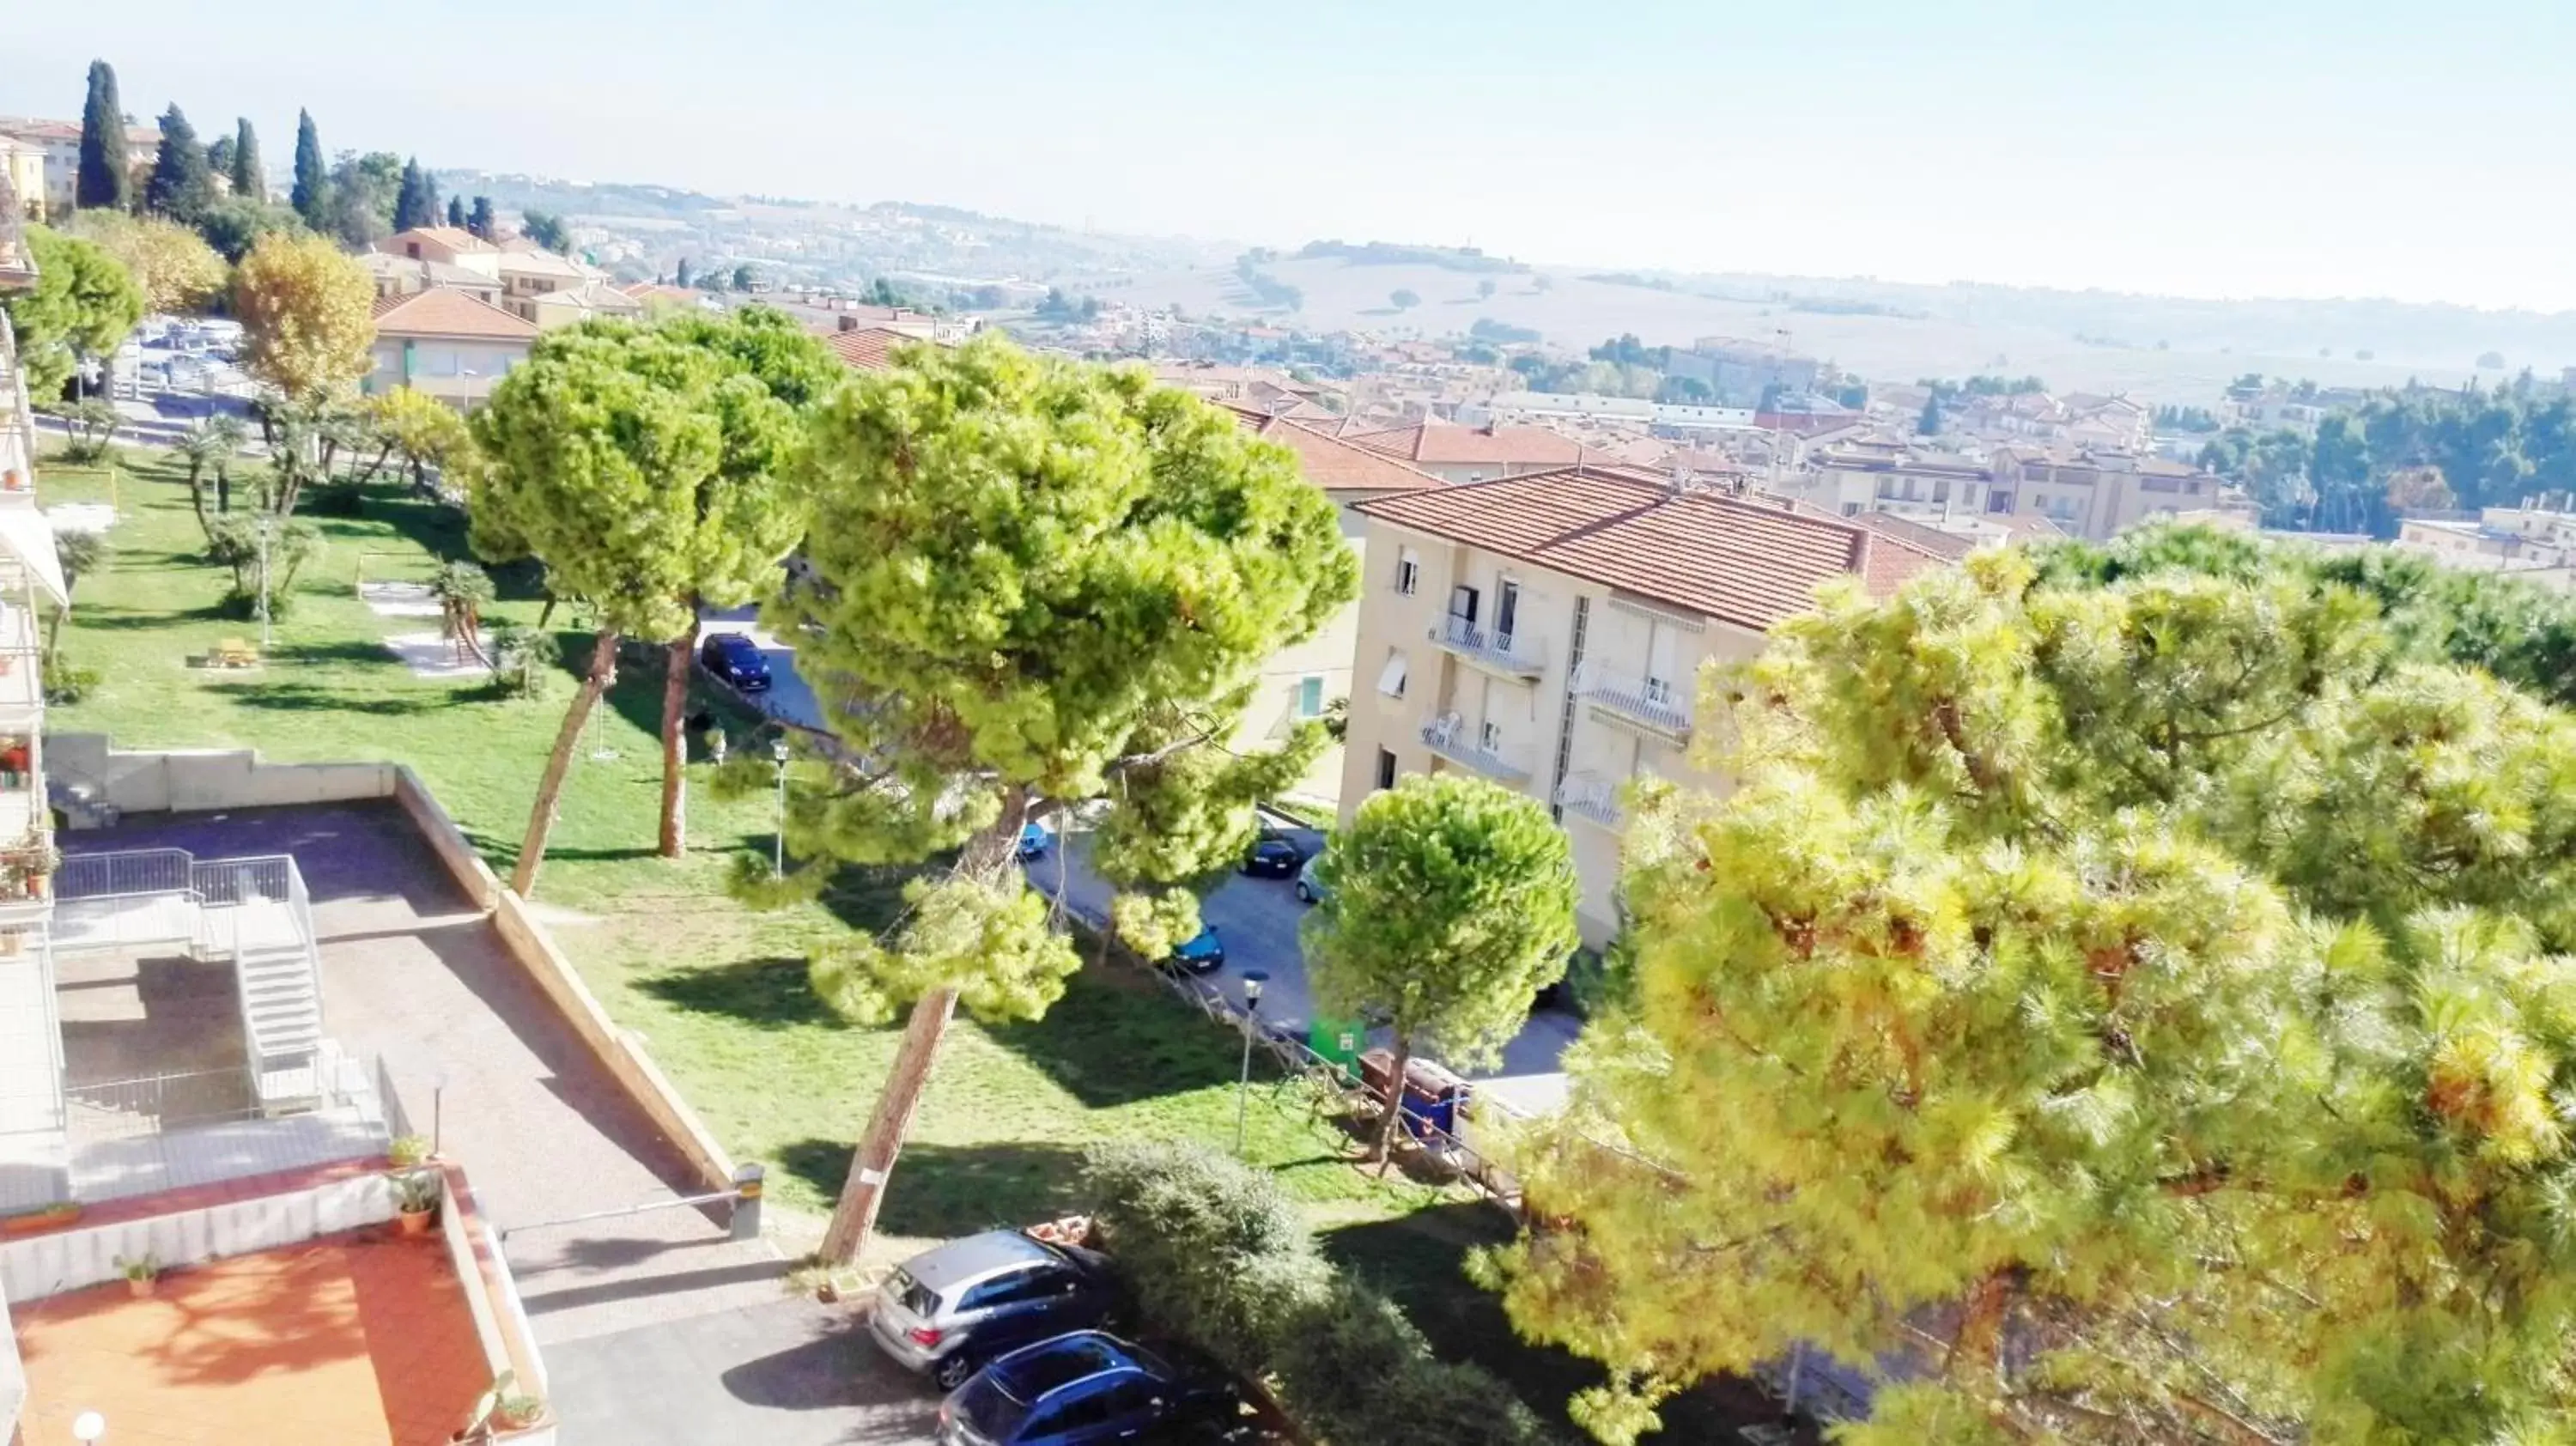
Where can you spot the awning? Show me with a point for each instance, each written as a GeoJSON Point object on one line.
{"type": "Point", "coordinates": [28, 539]}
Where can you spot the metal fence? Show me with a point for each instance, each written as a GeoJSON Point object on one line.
{"type": "Point", "coordinates": [187, 1099]}
{"type": "Point", "coordinates": [124, 874]}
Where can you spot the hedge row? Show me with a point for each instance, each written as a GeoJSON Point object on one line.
{"type": "Point", "coordinates": [1215, 1255]}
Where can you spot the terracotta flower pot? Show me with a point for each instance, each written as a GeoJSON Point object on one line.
{"type": "Point", "coordinates": [140, 1285]}
{"type": "Point", "coordinates": [416, 1222]}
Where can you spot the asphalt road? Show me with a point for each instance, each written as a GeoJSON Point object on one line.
{"type": "Point", "coordinates": [788, 1373]}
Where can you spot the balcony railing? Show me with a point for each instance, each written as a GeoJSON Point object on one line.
{"type": "Point", "coordinates": [1592, 798]}
{"type": "Point", "coordinates": [1450, 739]}
{"type": "Point", "coordinates": [1654, 703]}
{"type": "Point", "coordinates": [17, 423]}
{"type": "Point", "coordinates": [1503, 652]}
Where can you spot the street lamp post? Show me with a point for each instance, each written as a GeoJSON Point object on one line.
{"type": "Point", "coordinates": [1253, 979]}
{"type": "Point", "coordinates": [778, 846]}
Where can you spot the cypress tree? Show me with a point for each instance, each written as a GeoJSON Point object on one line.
{"type": "Point", "coordinates": [684, 278]}
{"type": "Point", "coordinates": [105, 179]}
{"type": "Point", "coordinates": [312, 195]}
{"type": "Point", "coordinates": [456, 210]}
{"type": "Point", "coordinates": [219, 158]}
{"type": "Point", "coordinates": [416, 203]}
{"type": "Point", "coordinates": [181, 187]}
{"type": "Point", "coordinates": [480, 222]}
{"type": "Point", "coordinates": [249, 177]}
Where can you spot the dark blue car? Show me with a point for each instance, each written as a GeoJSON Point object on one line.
{"type": "Point", "coordinates": [735, 659]}
{"type": "Point", "coordinates": [1086, 1388]}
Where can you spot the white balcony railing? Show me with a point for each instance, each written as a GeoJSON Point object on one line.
{"type": "Point", "coordinates": [1451, 739]}
{"type": "Point", "coordinates": [1592, 798]}
{"type": "Point", "coordinates": [1655, 703]}
{"type": "Point", "coordinates": [17, 423]}
{"type": "Point", "coordinates": [1504, 652]}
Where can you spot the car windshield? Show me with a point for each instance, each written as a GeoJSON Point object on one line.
{"type": "Point", "coordinates": [1058, 1365]}
{"type": "Point", "coordinates": [992, 1411]}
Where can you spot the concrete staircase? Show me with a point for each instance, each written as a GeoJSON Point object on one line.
{"type": "Point", "coordinates": [278, 975]}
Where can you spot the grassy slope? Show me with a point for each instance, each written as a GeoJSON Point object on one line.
{"type": "Point", "coordinates": [717, 990]}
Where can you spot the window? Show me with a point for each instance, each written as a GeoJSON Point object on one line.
{"type": "Point", "coordinates": [1462, 604]}
{"type": "Point", "coordinates": [1851, 509]}
{"type": "Point", "coordinates": [1659, 663]}
{"type": "Point", "coordinates": [1310, 697]}
{"type": "Point", "coordinates": [1385, 769]}
{"type": "Point", "coordinates": [1408, 571]}
{"type": "Point", "coordinates": [1506, 609]}
{"type": "Point", "coordinates": [1390, 679]}
{"type": "Point", "coordinates": [1999, 502]}
{"type": "Point", "coordinates": [1940, 489]}
{"type": "Point", "coordinates": [1490, 737]}
{"type": "Point", "coordinates": [1019, 1285]}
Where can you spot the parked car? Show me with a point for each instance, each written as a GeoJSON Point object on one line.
{"type": "Point", "coordinates": [736, 659]}
{"type": "Point", "coordinates": [950, 1309]}
{"type": "Point", "coordinates": [1310, 890]}
{"type": "Point", "coordinates": [1201, 952]}
{"type": "Point", "coordinates": [1274, 854]}
{"type": "Point", "coordinates": [1033, 840]}
{"type": "Point", "coordinates": [1089, 1387]}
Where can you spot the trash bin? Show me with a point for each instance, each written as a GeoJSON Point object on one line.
{"type": "Point", "coordinates": [1337, 1040]}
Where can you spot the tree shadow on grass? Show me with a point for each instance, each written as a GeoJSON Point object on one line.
{"type": "Point", "coordinates": [1109, 1045]}
{"type": "Point", "coordinates": [305, 698]}
{"type": "Point", "coordinates": [772, 993]}
{"type": "Point", "coordinates": [109, 618]}
{"type": "Point", "coordinates": [350, 650]}
{"type": "Point", "coordinates": [943, 1191]}
{"type": "Point", "coordinates": [1420, 1260]}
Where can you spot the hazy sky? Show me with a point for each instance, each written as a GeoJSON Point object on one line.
{"type": "Point", "coordinates": [2286, 148]}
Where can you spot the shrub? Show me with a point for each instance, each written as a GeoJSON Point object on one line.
{"type": "Point", "coordinates": [522, 660]}
{"type": "Point", "coordinates": [65, 683]}
{"type": "Point", "coordinates": [1213, 1252]}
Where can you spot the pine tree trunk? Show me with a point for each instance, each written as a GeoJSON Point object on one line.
{"type": "Point", "coordinates": [541, 818]}
{"type": "Point", "coordinates": [854, 1218]}
{"type": "Point", "coordinates": [1394, 1120]}
{"type": "Point", "coordinates": [197, 500]}
{"type": "Point", "coordinates": [675, 748]}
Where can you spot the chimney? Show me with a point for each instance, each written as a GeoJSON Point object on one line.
{"type": "Point", "coordinates": [848, 322]}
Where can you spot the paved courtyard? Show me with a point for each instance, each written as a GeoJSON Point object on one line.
{"type": "Point", "coordinates": [413, 974]}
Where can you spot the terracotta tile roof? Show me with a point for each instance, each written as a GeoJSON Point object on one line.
{"type": "Point", "coordinates": [1446, 444]}
{"type": "Point", "coordinates": [867, 348]}
{"type": "Point", "coordinates": [1328, 461]}
{"type": "Point", "coordinates": [454, 238]}
{"type": "Point", "coordinates": [654, 290]}
{"type": "Point", "coordinates": [541, 263]}
{"type": "Point", "coordinates": [1949, 546]}
{"type": "Point", "coordinates": [443, 312]}
{"type": "Point", "coordinates": [1745, 562]}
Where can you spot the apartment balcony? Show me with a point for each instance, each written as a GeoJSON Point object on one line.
{"type": "Point", "coordinates": [1654, 704]}
{"type": "Point", "coordinates": [1593, 799]}
{"type": "Point", "coordinates": [1451, 739]}
{"type": "Point", "coordinates": [1515, 657]}
{"type": "Point", "coordinates": [17, 424]}
{"type": "Point", "coordinates": [17, 262]}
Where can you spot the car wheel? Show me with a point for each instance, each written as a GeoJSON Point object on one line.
{"type": "Point", "coordinates": [953, 1372]}
{"type": "Point", "coordinates": [1304, 895]}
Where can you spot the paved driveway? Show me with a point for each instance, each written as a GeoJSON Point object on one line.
{"type": "Point", "coordinates": [789, 1373]}
{"type": "Point", "coordinates": [413, 974]}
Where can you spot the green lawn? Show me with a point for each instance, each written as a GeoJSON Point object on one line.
{"type": "Point", "coordinates": [717, 990]}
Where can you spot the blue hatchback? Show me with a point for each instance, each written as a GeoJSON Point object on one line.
{"type": "Point", "coordinates": [1201, 952]}
{"type": "Point", "coordinates": [1089, 1387]}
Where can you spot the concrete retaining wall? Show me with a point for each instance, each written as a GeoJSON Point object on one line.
{"type": "Point", "coordinates": [446, 840]}
{"type": "Point", "coordinates": [196, 779]}
{"type": "Point", "coordinates": [43, 1265]}
{"type": "Point", "coordinates": [492, 1297]}
{"type": "Point", "coordinates": [619, 1051]}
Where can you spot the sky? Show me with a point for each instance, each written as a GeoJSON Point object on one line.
{"type": "Point", "coordinates": [2289, 148]}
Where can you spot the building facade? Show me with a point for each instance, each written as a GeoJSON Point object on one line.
{"type": "Point", "coordinates": [446, 344]}
{"type": "Point", "coordinates": [1548, 632]}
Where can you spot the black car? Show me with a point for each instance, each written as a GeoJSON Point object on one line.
{"type": "Point", "coordinates": [735, 659]}
{"type": "Point", "coordinates": [1274, 854]}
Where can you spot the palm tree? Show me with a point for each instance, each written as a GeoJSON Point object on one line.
{"type": "Point", "coordinates": [462, 590]}
{"type": "Point", "coordinates": [80, 553]}
{"type": "Point", "coordinates": [210, 447]}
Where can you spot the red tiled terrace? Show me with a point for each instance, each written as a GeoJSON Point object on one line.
{"type": "Point", "coordinates": [355, 1339]}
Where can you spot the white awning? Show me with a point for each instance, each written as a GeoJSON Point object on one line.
{"type": "Point", "coordinates": [28, 539]}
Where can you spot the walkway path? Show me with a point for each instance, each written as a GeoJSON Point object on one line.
{"type": "Point", "coordinates": [411, 973]}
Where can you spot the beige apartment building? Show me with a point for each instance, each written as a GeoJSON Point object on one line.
{"type": "Point", "coordinates": [2099, 495]}
{"type": "Point", "coordinates": [447, 344]}
{"type": "Point", "coordinates": [2536, 542]}
{"type": "Point", "coordinates": [1299, 682]}
{"type": "Point", "coordinates": [1548, 632]}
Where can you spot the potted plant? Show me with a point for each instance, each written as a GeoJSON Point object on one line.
{"type": "Point", "coordinates": [140, 1273]}
{"type": "Point", "coordinates": [416, 1196]}
{"type": "Point", "coordinates": [407, 1151]}
{"type": "Point", "coordinates": [502, 1407]}
{"type": "Point", "coordinates": [27, 864]}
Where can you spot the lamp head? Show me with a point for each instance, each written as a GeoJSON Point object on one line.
{"type": "Point", "coordinates": [88, 1426]}
{"type": "Point", "coordinates": [778, 749]}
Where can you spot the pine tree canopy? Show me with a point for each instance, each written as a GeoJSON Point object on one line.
{"type": "Point", "coordinates": [2125, 1010]}
{"type": "Point", "coordinates": [182, 184]}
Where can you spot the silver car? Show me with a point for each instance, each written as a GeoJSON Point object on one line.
{"type": "Point", "coordinates": [948, 1310]}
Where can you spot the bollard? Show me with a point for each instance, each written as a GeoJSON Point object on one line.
{"type": "Point", "coordinates": [746, 1201]}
